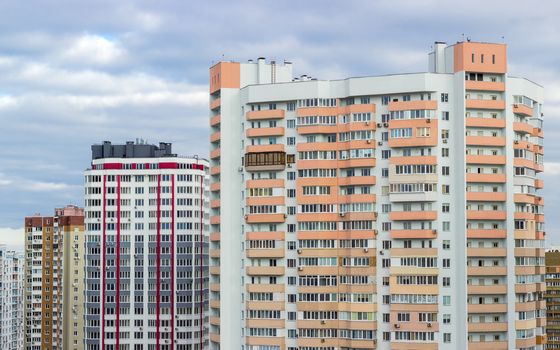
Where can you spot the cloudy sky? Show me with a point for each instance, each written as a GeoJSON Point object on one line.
{"type": "Point", "coordinates": [73, 73]}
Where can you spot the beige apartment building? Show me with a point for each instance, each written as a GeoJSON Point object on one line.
{"type": "Point", "coordinates": [54, 275]}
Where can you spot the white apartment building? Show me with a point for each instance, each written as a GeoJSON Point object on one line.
{"type": "Point", "coordinates": [146, 279]}
{"type": "Point", "coordinates": [11, 299]}
{"type": "Point", "coordinates": [389, 212]}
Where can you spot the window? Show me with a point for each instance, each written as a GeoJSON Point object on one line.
{"type": "Point", "coordinates": [446, 263]}
{"type": "Point", "coordinates": [445, 170]}
{"type": "Point", "coordinates": [422, 132]}
{"type": "Point", "coordinates": [385, 100]}
{"type": "Point", "coordinates": [444, 97]}
{"type": "Point", "coordinates": [291, 141]}
{"type": "Point", "coordinates": [403, 317]}
{"type": "Point", "coordinates": [291, 123]}
{"type": "Point", "coordinates": [444, 134]}
{"type": "Point", "coordinates": [445, 115]}
{"type": "Point", "coordinates": [445, 152]}
{"type": "Point", "coordinates": [446, 244]}
{"type": "Point", "coordinates": [447, 281]}
{"type": "Point", "coordinates": [494, 60]}
{"type": "Point", "coordinates": [445, 189]}
{"type": "Point", "coordinates": [445, 207]}
{"type": "Point", "coordinates": [446, 300]}
{"type": "Point", "coordinates": [446, 318]}
{"type": "Point", "coordinates": [386, 154]}
{"type": "Point", "coordinates": [385, 172]}
{"type": "Point", "coordinates": [447, 337]}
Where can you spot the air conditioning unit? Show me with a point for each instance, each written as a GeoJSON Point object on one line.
{"type": "Point", "coordinates": [428, 121]}
{"type": "Point", "coordinates": [322, 340]}
{"type": "Point", "coordinates": [434, 231]}
{"type": "Point", "coordinates": [380, 143]}
{"type": "Point", "coordinates": [299, 251]}
{"type": "Point", "coordinates": [367, 123]}
{"type": "Point", "coordinates": [300, 268]}
{"type": "Point", "coordinates": [444, 140]}
{"type": "Point", "coordinates": [368, 141]}
{"type": "Point", "coordinates": [341, 214]}
{"type": "Point", "coordinates": [515, 105]}
{"type": "Point", "coordinates": [366, 250]}
{"type": "Point", "coordinates": [397, 325]}
{"type": "Point", "coordinates": [516, 142]}
{"type": "Point", "coordinates": [240, 169]}
{"type": "Point", "coordinates": [429, 325]}
{"type": "Point", "coordinates": [323, 322]}
{"type": "Point", "coordinates": [381, 252]}
{"type": "Point", "coordinates": [379, 125]}
{"type": "Point", "coordinates": [386, 125]}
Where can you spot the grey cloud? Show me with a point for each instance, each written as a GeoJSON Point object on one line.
{"type": "Point", "coordinates": [75, 73]}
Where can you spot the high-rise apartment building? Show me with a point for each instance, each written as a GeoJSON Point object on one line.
{"type": "Point", "coordinates": [11, 299]}
{"type": "Point", "coordinates": [54, 280]}
{"type": "Point", "coordinates": [388, 212]}
{"type": "Point", "coordinates": [552, 297]}
{"type": "Point", "coordinates": [146, 249]}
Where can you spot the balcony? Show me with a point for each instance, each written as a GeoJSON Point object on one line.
{"type": "Point", "coordinates": [485, 159]}
{"type": "Point", "coordinates": [485, 104]}
{"type": "Point", "coordinates": [413, 197]}
{"type": "Point", "coordinates": [278, 147]}
{"type": "Point", "coordinates": [410, 105]}
{"type": "Point", "coordinates": [493, 289]}
{"type": "Point", "coordinates": [265, 218]}
{"type": "Point", "coordinates": [487, 270]}
{"type": "Point", "coordinates": [265, 132]}
{"type": "Point", "coordinates": [486, 178]}
{"type": "Point", "coordinates": [215, 104]}
{"type": "Point", "coordinates": [486, 215]}
{"type": "Point", "coordinates": [413, 215]}
{"type": "Point", "coordinates": [522, 109]}
{"type": "Point", "coordinates": [265, 114]}
{"type": "Point", "coordinates": [265, 161]}
{"type": "Point", "coordinates": [264, 270]}
{"type": "Point", "coordinates": [486, 141]}
{"type": "Point", "coordinates": [487, 196]}
{"type": "Point", "coordinates": [487, 308]}
{"type": "Point", "coordinates": [486, 252]}
{"type": "Point", "coordinates": [485, 122]}
{"type": "Point", "coordinates": [488, 327]}
{"type": "Point", "coordinates": [485, 85]}
{"type": "Point", "coordinates": [215, 120]}
{"type": "Point", "coordinates": [410, 234]}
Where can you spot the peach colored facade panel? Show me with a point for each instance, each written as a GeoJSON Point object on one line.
{"type": "Point", "coordinates": [494, 61]}
{"type": "Point", "coordinates": [225, 75]}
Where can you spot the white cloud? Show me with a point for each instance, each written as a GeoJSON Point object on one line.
{"type": "Point", "coordinates": [7, 102]}
{"type": "Point", "coordinates": [94, 49]}
{"type": "Point", "coordinates": [13, 238]}
{"type": "Point", "coordinates": [4, 181]}
{"type": "Point", "coordinates": [41, 186]}
{"type": "Point", "coordinates": [551, 168]}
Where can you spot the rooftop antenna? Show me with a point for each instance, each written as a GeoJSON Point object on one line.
{"type": "Point", "coordinates": [503, 39]}
{"type": "Point", "coordinates": [463, 35]}
{"type": "Point", "coordinates": [468, 39]}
